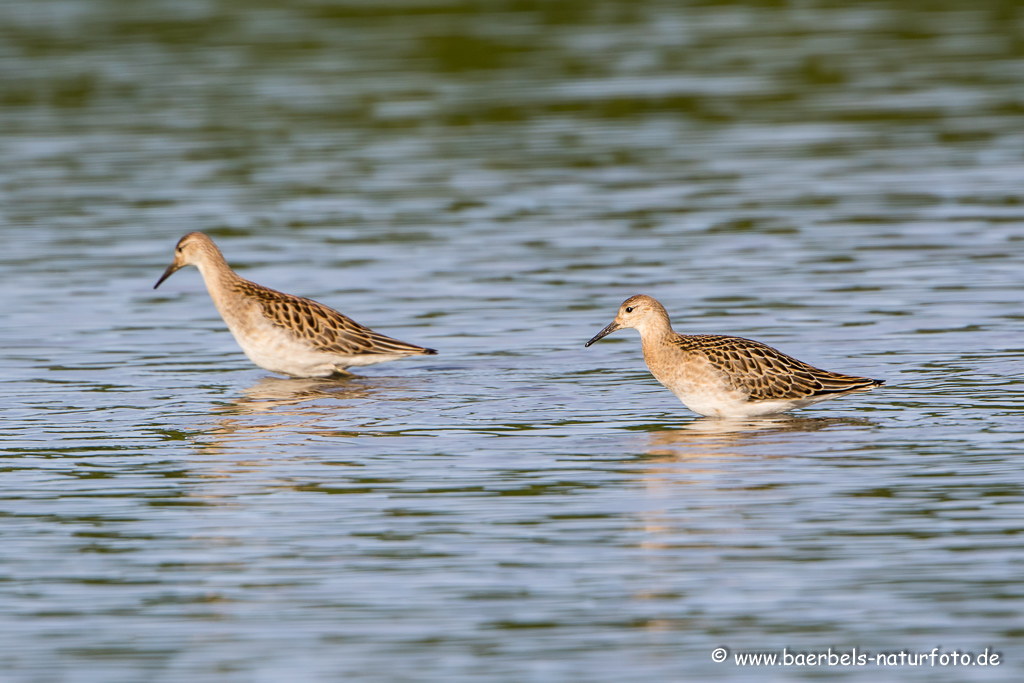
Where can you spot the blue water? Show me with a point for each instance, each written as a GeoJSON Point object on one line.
{"type": "Point", "coordinates": [491, 180]}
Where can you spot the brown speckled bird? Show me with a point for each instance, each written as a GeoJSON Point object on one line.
{"type": "Point", "coordinates": [721, 376]}
{"type": "Point", "coordinates": [282, 333]}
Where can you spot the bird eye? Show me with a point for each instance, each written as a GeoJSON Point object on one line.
{"type": "Point", "coordinates": [629, 309]}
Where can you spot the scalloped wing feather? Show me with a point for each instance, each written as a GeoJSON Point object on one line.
{"type": "Point", "coordinates": [323, 327]}
{"type": "Point", "coordinates": [766, 374]}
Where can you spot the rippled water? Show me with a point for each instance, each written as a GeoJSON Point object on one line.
{"type": "Point", "coordinates": [492, 179]}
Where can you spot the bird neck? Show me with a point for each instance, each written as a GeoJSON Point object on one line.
{"type": "Point", "coordinates": [218, 276]}
{"type": "Point", "coordinates": [655, 330]}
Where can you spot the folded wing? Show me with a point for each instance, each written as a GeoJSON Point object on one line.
{"type": "Point", "coordinates": [766, 374]}
{"type": "Point", "coordinates": [325, 328]}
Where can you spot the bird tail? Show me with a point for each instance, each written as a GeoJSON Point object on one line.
{"type": "Point", "coordinates": [843, 384]}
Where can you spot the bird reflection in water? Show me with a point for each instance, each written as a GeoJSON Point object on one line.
{"type": "Point", "coordinates": [277, 409]}
{"type": "Point", "coordinates": [274, 392]}
{"type": "Point", "coordinates": [709, 437]}
{"type": "Point", "coordinates": [704, 444]}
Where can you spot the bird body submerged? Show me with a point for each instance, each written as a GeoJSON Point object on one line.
{"type": "Point", "coordinates": [282, 333]}
{"type": "Point", "coordinates": [723, 376]}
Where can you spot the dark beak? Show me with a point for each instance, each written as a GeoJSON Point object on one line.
{"type": "Point", "coordinates": [167, 273]}
{"type": "Point", "coordinates": [603, 333]}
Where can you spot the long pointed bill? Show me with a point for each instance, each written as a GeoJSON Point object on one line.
{"type": "Point", "coordinates": [167, 273]}
{"type": "Point", "coordinates": [603, 333]}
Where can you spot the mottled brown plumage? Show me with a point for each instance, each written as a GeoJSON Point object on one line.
{"type": "Point", "coordinates": [724, 376]}
{"type": "Point", "coordinates": [323, 327]}
{"type": "Point", "coordinates": [765, 373]}
{"type": "Point", "coordinates": [286, 334]}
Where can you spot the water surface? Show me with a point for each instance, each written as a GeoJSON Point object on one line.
{"type": "Point", "coordinates": [492, 179]}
